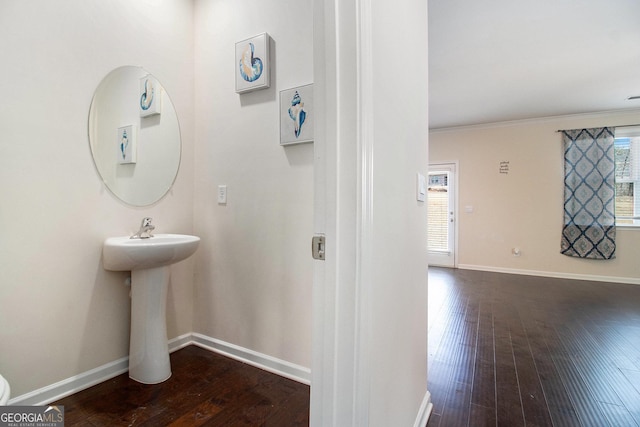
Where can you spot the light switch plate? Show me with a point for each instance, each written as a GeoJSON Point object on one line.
{"type": "Point", "coordinates": [222, 194]}
{"type": "Point", "coordinates": [421, 187]}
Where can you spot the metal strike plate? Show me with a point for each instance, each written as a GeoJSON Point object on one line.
{"type": "Point", "coordinates": [317, 247]}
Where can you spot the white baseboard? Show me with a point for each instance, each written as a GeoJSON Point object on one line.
{"type": "Point", "coordinates": [69, 386]}
{"type": "Point", "coordinates": [557, 275]}
{"type": "Point", "coordinates": [271, 364]}
{"type": "Point", "coordinates": [425, 411]}
{"type": "Point", "coordinates": [179, 342]}
{"type": "Point", "coordinates": [66, 387]}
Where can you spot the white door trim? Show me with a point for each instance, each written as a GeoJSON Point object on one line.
{"type": "Point", "coordinates": [344, 386]}
{"type": "Point", "coordinates": [343, 187]}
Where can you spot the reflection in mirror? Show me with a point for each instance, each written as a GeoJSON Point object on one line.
{"type": "Point", "coordinates": [134, 136]}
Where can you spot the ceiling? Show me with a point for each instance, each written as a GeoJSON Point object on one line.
{"type": "Point", "coordinates": [501, 60]}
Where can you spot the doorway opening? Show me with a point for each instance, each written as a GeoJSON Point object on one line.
{"type": "Point", "coordinates": [441, 200]}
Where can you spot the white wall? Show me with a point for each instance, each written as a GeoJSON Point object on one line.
{"type": "Point", "coordinates": [524, 208]}
{"type": "Point", "coordinates": [399, 236]}
{"type": "Point", "coordinates": [61, 314]}
{"type": "Point", "coordinates": [254, 274]}
{"type": "Point", "coordinates": [370, 302]}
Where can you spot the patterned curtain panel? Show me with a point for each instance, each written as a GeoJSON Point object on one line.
{"type": "Point", "coordinates": [589, 194]}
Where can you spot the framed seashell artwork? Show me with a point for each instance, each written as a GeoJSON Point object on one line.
{"type": "Point", "coordinates": [252, 63]}
{"type": "Point", "coordinates": [150, 96]}
{"type": "Point", "coordinates": [296, 115]}
{"type": "Point", "coordinates": [126, 145]}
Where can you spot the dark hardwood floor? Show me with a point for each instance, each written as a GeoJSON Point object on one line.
{"type": "Point", "coordinates": [511, 350]}
{"type": "Point", "coordinates": [205, 389]}
{"type": "Point", "coordinates": [504, 350]}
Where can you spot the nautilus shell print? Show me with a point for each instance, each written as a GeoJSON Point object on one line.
{"type": "Point", "coordinates": [148, 95]}
{"type": "Point", "coordinates": [251, 67]}
{"type": "Point", "coordinates": [297, 113]}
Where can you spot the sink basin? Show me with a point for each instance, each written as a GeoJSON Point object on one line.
{"type": "Point", "coordinates": [126, 254]}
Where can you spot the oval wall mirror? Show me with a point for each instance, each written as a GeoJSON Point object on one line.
{"type": "Point", "coordinates": [134, 136]}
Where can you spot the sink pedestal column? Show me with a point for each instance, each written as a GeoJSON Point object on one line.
{"type": "Point", "coordinates": [148, 347]}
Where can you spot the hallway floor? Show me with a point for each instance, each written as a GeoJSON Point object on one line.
{"type": "Point", "coordinates": [512, 350]}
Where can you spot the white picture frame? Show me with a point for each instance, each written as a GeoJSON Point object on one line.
{"type": "Point", "coordinates": [296, 115]}
{"type": "Point", "coordinates": [150, 100]}
{"type": "Point", "coordinates": [252, 63]}
{"type": "Point", "coordinates": [126, 143]}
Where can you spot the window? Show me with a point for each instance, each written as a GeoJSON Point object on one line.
{"type": "Point", "coordinates": [438, 209]}
{"type": "Point", "coordinates": [627, 164]}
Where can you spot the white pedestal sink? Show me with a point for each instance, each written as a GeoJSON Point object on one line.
{"type": "Point", "coordinates": [148, 260]}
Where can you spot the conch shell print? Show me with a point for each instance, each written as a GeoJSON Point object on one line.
{"type": "Point", "coordinates": [250, 67]}
{"type": "Point", "coordinates": [124, 144]}
{"type": "Point", "coordinates": [297, 113]}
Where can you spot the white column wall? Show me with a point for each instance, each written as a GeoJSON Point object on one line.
{"type": "Point", "coordinates": [371, 297]}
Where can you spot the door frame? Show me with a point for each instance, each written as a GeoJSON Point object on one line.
{"type": "Point", "coordinates": [340, 367]}
{"type": "Point", "coordinates": [343, 386]}
{"type": "Point", "coordinates": [455, 168]}
{"type": "Point", "coordinates": [345, 390]}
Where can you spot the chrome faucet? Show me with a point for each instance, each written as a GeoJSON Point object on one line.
{"type": "Point", "coordinates": [145, 229]}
